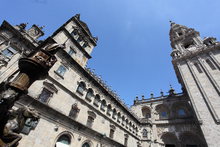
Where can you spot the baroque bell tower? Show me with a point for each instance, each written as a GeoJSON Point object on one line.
{"type": "Point", "coordinates": [197, 63]}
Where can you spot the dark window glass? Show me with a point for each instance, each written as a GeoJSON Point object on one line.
{"type": "Point", "coordinates": [103, 105]}
{"type": "Point", "coordinates": [96, 100]}
{"type": "Point", "coordinates": [114, 114]}
{"type": "Point", "coordinates": [111, 135]}
{"type": "Point", "coordinates": [86, 145]}
{"type": "Point", "coordinates": [81, 88]}
{"type": "Point", "coordinates": [45, 95]}
{"type": "Point", "coordinates": [89, 94]}
{"type": "Point", "coordinates": [144, 133]}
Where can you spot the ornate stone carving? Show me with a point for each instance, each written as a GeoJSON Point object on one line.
{"type": "Point", "coordinates": [16, 123]}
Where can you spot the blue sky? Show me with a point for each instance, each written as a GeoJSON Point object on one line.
{"type": "Point", "coordinates": [133, 51]}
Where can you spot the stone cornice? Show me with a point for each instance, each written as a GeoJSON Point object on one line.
{"type": "Point", "coordinates": [91, 38]}
{"type": "Point", "coordinates": [88, 75]}
{"type": "Point", "coordinates": [77, 44]}
{"type": "Point", "coordinates": [190, 54]}
{"type": "Point", "coordinates": [6, 25]}
{"type": "Point", "coordinates": [50, 114]}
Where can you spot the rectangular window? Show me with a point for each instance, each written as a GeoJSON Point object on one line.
{"type": "Point", "coordinates": [111, 134]}
{"type": "Point", "coordinates": [90, 121]}
{"type": "Point", "coordinates": [126, 141]}
{"type": "Point", "coordinates": [9, 52]}
{"type": "Point", "coordinates": [61, 70]}
{"type": "Point", "coordinates": [45, 95]}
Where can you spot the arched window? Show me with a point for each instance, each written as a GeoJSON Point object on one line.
{"type": "Point", "coordinates": [130, 126]}
{"type": "Point", "coordinates": [119, 117]}
{"type": "Point", "coordinates": [109, 109]}
{"type": "Point", "coordinates": [123, 120]}
{"type": "Point", "coordinates": [89, 94]}
{"type": "Point", "coordinates": [63, 141]}
{"type": "Point", "coordinates": [96, 100]}
{"type": "Point", "coordinates": [144, 133]}
{"type": "Point", "coordinates": [163, 111]}
{"type": "Point", "coordinates": [114, 114]}
{"type": "Point", "coordinates": [181, 112]}
{"type": "Point", "coordinates": [86, 144]}
{"type": "Point", "coordinates": [146, 112]}
{"type": "Point", "coordinates": [81, 88]}
{"type": "Point", "coordinates": [126, 123]}
{"type": "Point", "coordinates": [103, 105]}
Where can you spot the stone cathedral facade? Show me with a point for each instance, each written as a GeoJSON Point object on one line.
{"type": "Point", "coordinates": [79, 110]}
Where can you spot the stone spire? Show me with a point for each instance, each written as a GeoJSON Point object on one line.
{"type": "Point", "coordinates": [183, 39]}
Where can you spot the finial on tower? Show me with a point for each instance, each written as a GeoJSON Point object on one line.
{"type": "Point", "coordinates": [171, 91]}
{"type": "Point", "coordinates": [171, 22]}
{"type": "Point", "coordinates": [161, 92]}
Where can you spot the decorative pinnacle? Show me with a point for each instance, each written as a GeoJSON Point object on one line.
{"type": "Point", "coordinates": [151, 95]}
{"type": "Point", "coordinates": [171, 22]}
{"type": "Point", "coordinates": [161, 92]}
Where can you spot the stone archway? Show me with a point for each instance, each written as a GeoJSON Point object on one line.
{"type": "Point", "coordinates": [189, 139]}
{"type": "Point", "coordinates": [169, 140]}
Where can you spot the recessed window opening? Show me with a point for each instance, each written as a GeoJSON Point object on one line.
{"type": "Point", "coordinates": [180, 33]}
{"type": "Point", "coordinates": [211, 65]}
{"type": "Point", "coordinates": [81, 87]}
{"type": "Point", "coordinates": [181, 112]}
{"type": "Point", "coordinates": [198, 67]}
{"type": "Point", "coordinates": [188, 44]}
{"type": "Point", "coordinates": [61, 70]}
{"type": "Point", "coordinates": [71, 51]}
{"type": "Point", "coordinates": [86, 144]}
{"type": "Point", "coordinates": [9, 52]}
{"type": "Point", "coordinates": [163, 114]}
{"type": "Point", "coordinates": [63, 141]}
{"type": "Point", "coordinates": [45, 95]}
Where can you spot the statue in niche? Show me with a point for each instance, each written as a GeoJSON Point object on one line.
{"type": "Point", "coordinates": [16, 122]}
